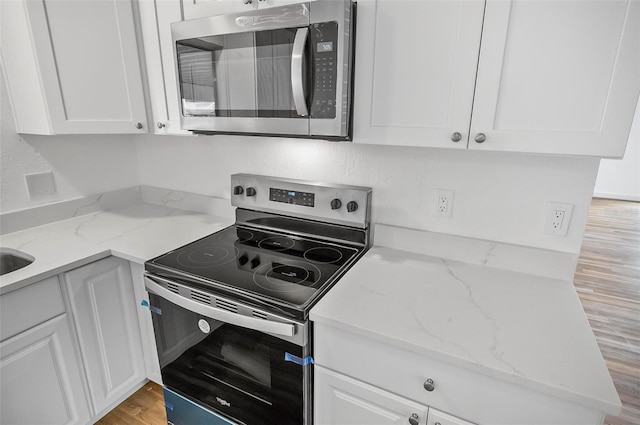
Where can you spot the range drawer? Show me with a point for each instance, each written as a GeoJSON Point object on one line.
{"type": "Point", "coordinates": [29, 306]}
{"type": "Point", "coordinates": [466, 394]}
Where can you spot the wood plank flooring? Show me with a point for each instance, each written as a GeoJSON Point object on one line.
{"type": "Point", "coordinates": [144, 407]}
{"type": "Point", "coordinates": [607, 280]}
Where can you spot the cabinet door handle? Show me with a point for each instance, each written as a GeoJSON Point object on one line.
{"type": "Point", "coordinates": [480, 137]}
{"type": "Point", "coordinates": [414, 419]}
{"type": "Point", "coordinates": [161, 125]}
{"type": "Point", "coordinates": [456, 137]}
{"type": "Point", "coordinates": [139, 125]}
{"type": "Point", "coordinates": [246, 1]}
{"type": "Point", "coordinates": [429, 385]}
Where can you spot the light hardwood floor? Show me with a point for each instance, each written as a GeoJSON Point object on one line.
{"type": "Point", "coordinates": [607, 280]}
{"type": "Point", "coordinates": [608, 283]}
{"type": "Point", "coordinates": [144, 407]}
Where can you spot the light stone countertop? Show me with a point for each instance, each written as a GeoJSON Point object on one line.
{"type": "Point", "coordinates": [136, 233]}
{"type": "Point", "coordinates": [466, 302]}
{"type": "Point", "coordinates": [518, 327]}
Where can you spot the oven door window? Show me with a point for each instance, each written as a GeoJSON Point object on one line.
{"type": "Point", "coordinates": [237, 75]}
{"type": "Point", "coordinates": [238, 372]}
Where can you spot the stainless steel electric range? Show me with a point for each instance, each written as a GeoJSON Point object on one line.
{"type": "Point", "coordinates": [230, 310]}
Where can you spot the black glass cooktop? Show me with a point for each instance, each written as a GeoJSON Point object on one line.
{"type": "Point", "coordinates": [270, 267]}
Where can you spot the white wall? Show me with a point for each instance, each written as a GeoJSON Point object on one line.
{"type": "Point", "coordinates": [498, 196]}
{"type": "Point", "coordinates": [620, 179]}
{"type": "Point", "coordinates": [81, 165]}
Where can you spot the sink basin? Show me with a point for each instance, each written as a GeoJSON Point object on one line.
{"type": "Point", "coordinates": [12, 260]}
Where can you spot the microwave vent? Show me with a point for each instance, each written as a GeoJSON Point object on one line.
{"type": "Point", "coordinates": [173, 288]}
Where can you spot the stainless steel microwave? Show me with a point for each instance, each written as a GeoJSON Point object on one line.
{"type": "Point", "coordinates": [282, 71]}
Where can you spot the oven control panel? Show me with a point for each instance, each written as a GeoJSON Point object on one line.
{"type": "Point", "coordinates": [334, 203]}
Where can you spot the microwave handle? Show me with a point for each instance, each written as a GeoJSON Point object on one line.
{"type": "Point", "coordinates": [284, 329]}
{"type": "Point", "coordinates": [297, 66]}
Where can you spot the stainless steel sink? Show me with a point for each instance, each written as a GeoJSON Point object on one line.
{"type": "Point", "coordinates": [12, 259]}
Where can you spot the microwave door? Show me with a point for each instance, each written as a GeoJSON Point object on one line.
{"type": "Point", "coordinates": [241, 81]}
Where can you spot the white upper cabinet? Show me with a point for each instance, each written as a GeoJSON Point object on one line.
{"type": "Point", "coordinates": [156, 17]}
{"type": "Point", "coordinates": [72, 67]}
{"type": "Point", "coordinates": [194, 9]}
{"type": "Point", "coordinates": [558, 77]}
{"type": "Point", "coordinates": [415, 71]}
{"type": "Point", "coordinates": [555, 77]}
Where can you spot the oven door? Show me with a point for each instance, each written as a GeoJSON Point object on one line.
{"type": "Point", "coordinates": [240, 375]}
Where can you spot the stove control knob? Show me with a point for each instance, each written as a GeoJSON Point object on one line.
{"type": "Point", "coordinates": [243, 259]}
{"type": "Point", "coordinates": [238, 190]}
{"type": "Point", "coordinates": [251, 191]}
{"type": "Point", "coordinates": [336, 204]}
{"type": "Point", "coordinates": [255, 262]}
{"type": "Point", "coordinates": [352, 206]}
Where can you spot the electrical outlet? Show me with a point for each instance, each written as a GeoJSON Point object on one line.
{"type": "Point", "coordinates": [443, 203]}
{"type": "Point", "coordinates": [557, 218]}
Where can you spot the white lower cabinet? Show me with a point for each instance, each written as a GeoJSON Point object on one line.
{"type": "Point", "coordinates": [103, 306]}
{"type": "Point", "coordinates": [341, 400]}
{"type": "Point", "coordinates": [347, 401]}
{"type": "Point", "coordinates": [359, 380]}
{"type": "Point", "coordinates": [41, 377]}
{"type": "Point", "coordinates": [440, 418]}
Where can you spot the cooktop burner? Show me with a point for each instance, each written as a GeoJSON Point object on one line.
{"type": "Point", "coordinates": [271, 267]}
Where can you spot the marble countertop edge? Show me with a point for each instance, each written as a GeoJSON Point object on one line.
{"type": "Point", "coordinates": [504, 376]}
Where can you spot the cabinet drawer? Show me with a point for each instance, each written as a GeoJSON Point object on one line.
{"type": "Point", "coordinates": [29, 306]}
{"type": "Point", "coordinates": [466, 394]}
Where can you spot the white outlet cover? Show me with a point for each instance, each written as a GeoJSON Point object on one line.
{"type": "Point", "coordinates": [437, 194]}
{"type": "Point", "coordinates": [547, 226]}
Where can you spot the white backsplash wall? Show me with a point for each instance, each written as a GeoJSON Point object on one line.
{"type": "Point", "coordinates": [498, 196]}
{"type": "Point", "coordinates": [81, 165]}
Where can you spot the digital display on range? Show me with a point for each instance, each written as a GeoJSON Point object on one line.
{"type": "Point", "coordinates": [306, 199]}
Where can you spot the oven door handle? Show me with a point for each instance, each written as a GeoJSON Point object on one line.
{"type": "Point", "coordinates": [262, 325]}
{"type": "Point", "coordinates": [297, 67]}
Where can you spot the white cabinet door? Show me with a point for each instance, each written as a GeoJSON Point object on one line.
{"type": "Point", "coordinates": [103, 304]}
{"type": "Point", "coordinates": [40, 377]}
{"type": "Point", "coordinates": [415, 71]}
{"type": "Point", "coordinates": [147, 335]}
{"type": "Point", "coordinates": [72, 66]}
{"type": "Point", "coordinates": [194, 9]}
{"type": "Point", "coordinates": [558, 77]}
{"type": "Point", "coordinates": [340, 400]}
{"type": "Point", "coordinates": [156, 17]}
{"type": "Point", "coordinates": [440, 418]}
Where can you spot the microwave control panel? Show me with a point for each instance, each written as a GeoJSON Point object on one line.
{"type": "Point", "coordinates": [324, 54]}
